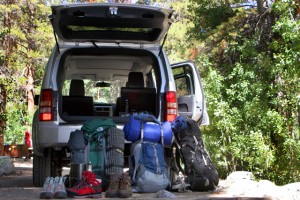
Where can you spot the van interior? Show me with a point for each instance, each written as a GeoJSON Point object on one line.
{"type": "Point", "coordinates": [108, 83]}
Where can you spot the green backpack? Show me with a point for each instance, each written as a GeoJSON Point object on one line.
{"type": "Point", "coordinates": [95, 133]}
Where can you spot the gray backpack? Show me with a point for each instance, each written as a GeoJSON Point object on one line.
{"type": "Point", "coordinates": [150, 171]}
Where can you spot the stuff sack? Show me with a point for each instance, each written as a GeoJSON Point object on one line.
{"type": "Point", "coordinates": [151, 127]}
{"type": "Point", "coordinates": [201, 173]}
{"type": "Point", "coordinates": [78, 147]}
{"type": "Point", "coordinates": [114, 151]}
{"type": "Point", "coordinates": [150, 171]}
{"type": "Point", "coordinates": [95, 133]}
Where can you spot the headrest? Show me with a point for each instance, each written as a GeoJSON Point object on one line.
{"type": "Point", "coordinates": [135, 79]}
{"type": "Point", "coordinates": [77, 88]}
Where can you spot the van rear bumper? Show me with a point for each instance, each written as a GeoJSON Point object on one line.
{"type": "Point", "coordinates": [51, 135]}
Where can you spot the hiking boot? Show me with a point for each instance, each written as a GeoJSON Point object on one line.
{"type": "Point", "coordinates": [48, 189]}
{"type": "Point", "coordinates": [125, 189]}
{"type": "Point", "coordinates": [112, 190]}
{"type": "Point", "coordinates": [89, 186]}
{"type": "Point", "coordinates": [59, 189]}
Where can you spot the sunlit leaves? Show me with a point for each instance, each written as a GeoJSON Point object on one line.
{"type": "Point", "coordinates": [26, 40]}
{"type": "Point", "coordinates": [252, 86]}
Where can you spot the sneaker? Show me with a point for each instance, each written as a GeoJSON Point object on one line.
{"type": "Point", "coordinates": [125, 189]}
{"type": "Point", "coordinates": [89, 186]}
{"type": "Point", "coordinates": [48, 189]}
{"type": "Point", "coordinates": [112, 190]}
{"type": "Point", "coordinates": [59, 190]}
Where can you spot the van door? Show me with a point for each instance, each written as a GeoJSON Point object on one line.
{"type": "Point", "coordinates": [190, 93]}
{"type": "Point", "coordinates": [110, 23]}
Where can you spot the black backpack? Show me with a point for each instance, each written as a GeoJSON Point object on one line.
{"type": "Point", "coordinates": [190, 151]}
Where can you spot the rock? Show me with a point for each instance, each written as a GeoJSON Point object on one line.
{"type": "Point", "coordinates": [164, 194]}
{"type": "Point", "coordinates": [269, 189]}
{"type": "Point", "coordinates": [242, 184]}
{"type": "Point", "coordinates": [292, 187]}
{"type": "Point", "coordinates": [239, 183]}
{"type": "Point", "coordinates": [243, 187]}
{"type": "Point", "coordinates": [6, 166]}
{"type": "Point", "coordinates": [292, 190]}
{"type": "Point", "coordinates": [239, 175]}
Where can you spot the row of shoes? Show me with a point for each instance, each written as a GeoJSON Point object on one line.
{"type": "Point", "coordinates": [88, 187]}
{"type": "Point", "coordinates": [54, 188]}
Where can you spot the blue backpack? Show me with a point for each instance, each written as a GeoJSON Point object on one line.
{"type": "Point", "coordinates": [149, 169]}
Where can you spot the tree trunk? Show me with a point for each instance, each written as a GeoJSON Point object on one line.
{"type": "Point", "coordinates": [260, 6]}
{"type": "Point", "coordinates": [29, 89]}
{"type": "Point", "coordinates": [2, 117]}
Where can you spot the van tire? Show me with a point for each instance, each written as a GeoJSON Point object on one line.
{"type": "Point", "coordinates": [41, 169]}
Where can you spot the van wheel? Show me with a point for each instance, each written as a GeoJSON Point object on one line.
{"type": "Point", "coordinates": [41, 169]}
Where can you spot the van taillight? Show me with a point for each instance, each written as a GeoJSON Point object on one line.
{"type": "Point", "coordinates": [171, 111]}
{"type": "Point", "coordinates": [45, 105]}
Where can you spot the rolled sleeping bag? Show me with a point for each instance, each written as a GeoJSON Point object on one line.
{"type": "Point", "coordinates": [152, 131]}
{"type": "Point", "coordinates": [132, 129]}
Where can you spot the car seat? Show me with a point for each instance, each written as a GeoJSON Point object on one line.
{"type": "Point", "coordinates": [139, 98]}
{"type": "Point", "coordinates": [77, 103]}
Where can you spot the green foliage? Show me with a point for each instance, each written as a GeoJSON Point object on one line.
{"type": "Point", "coordinates": [16, 116]}
{"type": "Point", "coordinates": [252, 83]}
{"type": "Point", "coordinates": [286, 70]}
{"type": "Point", "coordinates": [26, 41]}
{"type": "Point", "coordinates": [177, 44]}
{"type": "Point", "coordinates": [17, 123]}
{"type": "Point", "coordinates": [207, 15]}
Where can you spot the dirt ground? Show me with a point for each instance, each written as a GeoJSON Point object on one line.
{"type": "Point", "coordinates": [19, 186]}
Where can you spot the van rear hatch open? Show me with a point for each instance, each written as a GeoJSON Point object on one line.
{"type": "Point", "coordinates": [110, 23]}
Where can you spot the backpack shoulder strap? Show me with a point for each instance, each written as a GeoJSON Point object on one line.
{"type": "Point", "coordinates": [177, 157]}
{"type": "Point", "coordinates": [137, 154]}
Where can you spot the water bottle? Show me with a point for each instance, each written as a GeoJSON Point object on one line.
{"type": "Point", "coordinates": [89, 166]}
